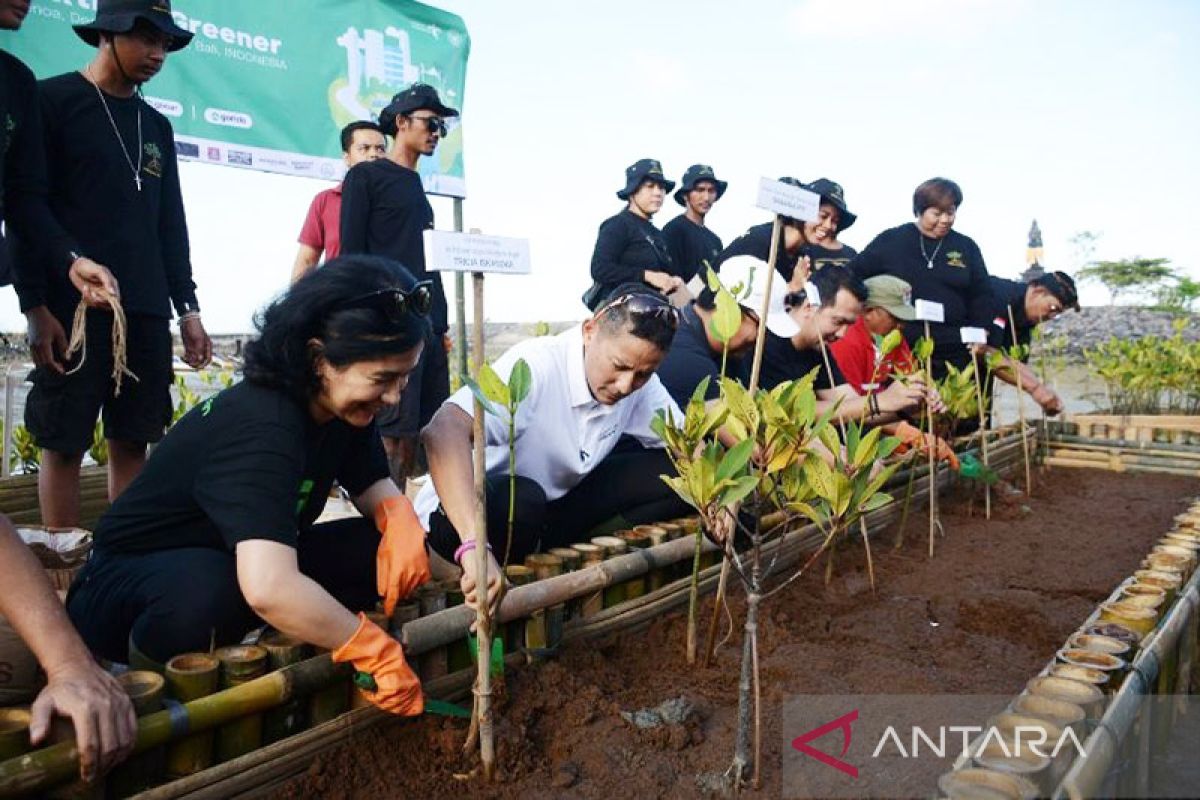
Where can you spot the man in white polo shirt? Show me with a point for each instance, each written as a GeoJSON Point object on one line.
{"type": "Point", "coordinates": [592, 385]}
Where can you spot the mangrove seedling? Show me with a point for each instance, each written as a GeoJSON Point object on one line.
{"type": "Point", "coordinates": [99, 449]}
{"type": "Point", "coordinates": [25, 453]}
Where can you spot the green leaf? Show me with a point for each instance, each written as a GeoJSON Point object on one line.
{"type": "Point", "coordinates": [864, 454]}
{"type": "Point", "coordinates": [740, 489]}
{"type": "Point", "coordinates": [727, 317]}
{"type": "Point", "coordinates": [735, 460]}
{"type": "Point", "coordinates": [493, 388]}
{"type": "Point", "coordinates": [519, 382]}
{"type": "Point", "coordinates": [923, 349]}
{"type": "Point", "coordinates": [477, 390]}
{"type": "Point", "coordinates": [875, 501]}
{"type": "Point", "coordinates": [891, 342]}
{"type": "Point", "coordinates": [741, 406]}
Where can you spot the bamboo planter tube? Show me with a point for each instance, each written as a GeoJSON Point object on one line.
{"type": "Point", "coordinates": [1148, 448]}
{"type": "Point", "coordinates": [291, 717]}
{"type": "Point", "coordinates": [60, 762]}
{"type": "Point", "coordinates": [433, 663]}
{"type": "Point", "coordinates": [189, 677]}
{"type": "Point", "coordinates": [514, 630]}
{"type": "Point", "coordinates": [240, 664]}
{"type": "Point", "coordinates": [145, 691]}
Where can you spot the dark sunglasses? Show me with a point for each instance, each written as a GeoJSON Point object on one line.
{"type": "Point", "coordinates": [395, 303]}
{"type": "Point", "coordinates": [432, 124]}
{"type": "Point", "coordinates": [644, 305]}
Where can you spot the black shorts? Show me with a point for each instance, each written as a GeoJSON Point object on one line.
{"type": "Point", "coordinates": [61, 410]}
{"type": "Point", "coordinates": [428, 387]}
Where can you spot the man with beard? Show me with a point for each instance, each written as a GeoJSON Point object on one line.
{"type": "Point", "coordinates": [114, 186]}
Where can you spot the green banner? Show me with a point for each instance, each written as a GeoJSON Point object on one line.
{"type": "Point", "coordinates": [268, 84]}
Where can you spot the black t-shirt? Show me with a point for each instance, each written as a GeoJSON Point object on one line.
{"type": "Point", "coordinates": [820, 257]}
{"type": "Point", "coordinates": [140, 235]}
{"type": "Point", "coordinates": [756, 242]}
{"type": "Point", "coordinates": [783, 362]}
{"type": "Point", "coordinates": [385, 212]}
{"type": "Point", "coordinates": [1006, 295]}
{"type": "Point", "coordinates": [691, 245]}
{"type": "Point", "coordinates": [691, 359]}
{"type": "Point", "coordinates": [627, 246]}
{"type": "Point", "coordinates": [248, 463]}
{"type": "Point", "coordinates": [958, 280]}
{"type": "Point", "coordinates": [24, 205]}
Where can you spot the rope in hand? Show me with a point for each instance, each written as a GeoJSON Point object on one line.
{"type": "Point", "coordinates": [119, 341]}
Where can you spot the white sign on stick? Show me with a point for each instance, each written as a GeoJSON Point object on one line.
{"type": "Point", "coordinates": [973, 335]}
{"type": "Point", "coordinates": [930, 311]}
{"type": "Point", "coordinates": [446, 251]}
{"type": "Point", "coordinates": [787, 200]}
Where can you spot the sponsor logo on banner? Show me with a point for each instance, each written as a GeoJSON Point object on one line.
{"type": "Point", "coordinates": [240, 157]}
{"type": "Point", "coordinates": [327, 170]}
{"type": "Point", "coordinates": [187, 149]}
{"type": "Point", "coordinates": [228, 119]}
{"type": "Point", "coordinates": [168, 108]}
{"type": "Point", "coordinates": [213, 154]}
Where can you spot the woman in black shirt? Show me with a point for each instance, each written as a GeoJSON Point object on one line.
{"type": "Point", "coordinates": [629, 249]}
{"type": "Point", "coordinates": [822, 245]}
{"type": "Point", "coordinates": [216, 535]}
{"type": "Point", "coordinates": [942, 265]}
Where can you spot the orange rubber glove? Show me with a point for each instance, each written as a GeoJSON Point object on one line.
{"type": "Point", "coordinates": [401, 563]}
{"type": "Point", "coordinates": [371, 650]}
{"type": "Point", "coordinates": [911, 437]}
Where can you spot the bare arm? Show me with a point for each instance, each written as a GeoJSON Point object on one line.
{"type": "Point", "coordinates": [76, 687]}
{"type": "Point", "coordinates": [307, 258]}
{"type": "Point", "coordinates": [1043, 395]}
{"type": "Point", "coordinates": [274, 586]}
{"type": "Point", "coordinates": [448, 440]}
{"type": "Point", "coordinates": [376, 493]}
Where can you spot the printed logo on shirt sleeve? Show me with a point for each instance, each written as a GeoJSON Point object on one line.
{"type": "Point", "coordinates": [152, 164]}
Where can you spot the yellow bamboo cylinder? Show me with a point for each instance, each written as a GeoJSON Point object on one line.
{"type": "Point", "coordinates": [291, 717]}
{"type": "Point", "coordinates": [240, 664]}
{"type": "Point", "coordinates": [572, 560]}
{"type": "Point", "coordinates": [432, 664]}
{"type": "Point", "coordinates": [1136, 618]}
{"type": "Point", "coordinates": [1060, 712]}
{"type": "Point", "coordinates": [191, 676]}
{"type": "Point", "coordinates": [979, 782]}
{"type": "Point", "coordinates": [1084, 695]}
{"type": "Point", "coordinates": [14, 732]}
{"type": "Point", "coordinates": [514, 630]}
{"type": "Point", "coordinates": [1169, 582]}
{"type": "Point", "coordinates": [1113, 630]}
{"type": "Point", "coordinates": [330, 702]}
{"type": "Point", "coordinates": [1098, 644]}
{"type": "Point", "coordinates": [612, 546]}
{"type": "Point", "coordinates": [592, 555]}
{"type": "Point", "coordinates": [1185, 556]}
{"type": "Point", "coordinates": [545, 626]}
{"type": "Point", "coordinates": [458, 652]}
{"type": "Point", "coordinates": [1153, 597]}
{"type": "Point", "coordinates": [145, 691]}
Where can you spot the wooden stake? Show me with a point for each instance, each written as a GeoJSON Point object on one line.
{"type": "Point", "coordinates": [1012, 322]}
{"type": "Point", "coordinates": [755, 372]}
{"type": "Point", "coordinates": [933, 493]}
{"type": "Point", "coordinates": [983, 443]}
{"type": "Point", "coordinates": [483, 616]}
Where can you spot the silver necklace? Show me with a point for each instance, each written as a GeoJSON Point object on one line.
{"type": "Point", "coordinates": [928, 258]}
{"type": "Point", "coordinates": [136, 169]}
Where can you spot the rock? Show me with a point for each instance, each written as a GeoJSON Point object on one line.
{"type": "Point", "coordinates": [675, 711]}
{"type": "Point", "coordinates": [1096, 324]}
{"type": "Point", "coordinates": [566, 776]}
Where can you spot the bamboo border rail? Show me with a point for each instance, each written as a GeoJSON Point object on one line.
{"type": "Point", "coordinates": [1134, 451]}
{"type": "Point", "coordinates": [283, 760]}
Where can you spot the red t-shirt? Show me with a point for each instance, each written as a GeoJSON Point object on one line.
{"type": "Point", "coordinates": [855, 356]}
{"type": "Point", "coordinates": [322, 225]}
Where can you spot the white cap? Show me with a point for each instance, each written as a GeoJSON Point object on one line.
{"type": "Point", "coordinates": [751, 272]}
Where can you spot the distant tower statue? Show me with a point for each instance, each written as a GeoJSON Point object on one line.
{"type": "Point", "coordinates": [1033, 254]}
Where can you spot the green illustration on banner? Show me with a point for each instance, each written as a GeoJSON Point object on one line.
{"type": "Point", "coordinates": [264, 87]}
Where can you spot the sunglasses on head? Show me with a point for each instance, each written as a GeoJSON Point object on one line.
{"type": "Point", "coordinates": [644, 305]}
{"type": "Point", "coordinates": [432, 124]}
{"type": "Point", "coordinates": [396, 303]}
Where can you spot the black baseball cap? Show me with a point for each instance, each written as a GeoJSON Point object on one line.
{"type": "Point", "coordinates": [414, 98]}
{"type": "Point", "coordinates": [119, 16]}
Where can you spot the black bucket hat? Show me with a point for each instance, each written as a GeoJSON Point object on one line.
{"type": "Point", "coordinates": [646, 169]}
{"type": "Point", "coordinates": [694, 174]}
{"type": "Point", "coordinates": [119, 16]}
{"type": "Point", "coordinates": [831, 192]}
{"type": "Point", "coordinates": [414, 98]}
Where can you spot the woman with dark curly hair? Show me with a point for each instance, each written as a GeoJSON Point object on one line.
{"type": "Point", "coordinates": [217, 534]}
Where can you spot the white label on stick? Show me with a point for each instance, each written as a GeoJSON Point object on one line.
{"type": "Point", "coordinates": [447, 251]}
{"type": "Point", "coordinates": [973, 335]}
{"type": "Point", "coordinates": [930, 311]}
{"type": "Point", "coordinates": [787, 200]}
{"type": "Point", "coordinates": [812, 294]}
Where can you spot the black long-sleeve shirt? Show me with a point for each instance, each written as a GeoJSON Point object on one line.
{"type": "Point", "coordinates": [626, 246]}
{"type": "Point", "coordinates": [385, 212]}
{"type": "Point", "coordinates": [1008, 296]}
{"type": "Point", "coordinates": [690, 245]}
{"type": "Point", "coordinates": [958, 280]}
{"type": "Point", "coordinates": [24, 206]}
{"type": "Point", "coordinates": [140, 235]}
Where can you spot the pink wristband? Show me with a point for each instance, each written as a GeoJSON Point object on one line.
{"type": "Point", "coordinates": [465, 548]}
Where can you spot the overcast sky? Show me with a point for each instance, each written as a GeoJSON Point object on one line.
{"type": "Point", "coordinates": [1076, 112]}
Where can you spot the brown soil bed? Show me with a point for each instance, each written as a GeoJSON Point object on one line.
{"type": "Point", "coordinates": [1005, 594]}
